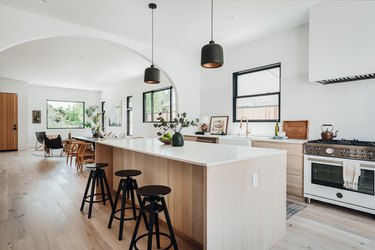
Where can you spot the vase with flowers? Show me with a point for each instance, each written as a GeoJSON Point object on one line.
{"type": "Point", "coordinates": [175, 125]}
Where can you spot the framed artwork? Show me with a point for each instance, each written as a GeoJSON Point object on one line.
{"type": "Point", "coordinates": [115, 114]}
{"type": "Point", "coordinates": [36, 116]}
{"type": "Point", "coordinates": [219, 125]}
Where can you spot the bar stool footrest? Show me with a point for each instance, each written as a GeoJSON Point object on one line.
{"type": "Point", "coordinates": [96, 201]}
{"type": "Point", "coordinates": [118, 218]}
{"type": "Point", "coordinates": [154, 233]}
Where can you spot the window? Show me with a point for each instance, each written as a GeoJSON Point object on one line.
{"type": "Point", "coordinates": [103, 114]}
{"type": "Point", "coordinates": [129, 115]}
{"type": "Point", "coordinates": [256, 94]}
{"type": "Point", "coordinates": [158, 101]}
{"type": "Point", "coordinates": [65, 114]}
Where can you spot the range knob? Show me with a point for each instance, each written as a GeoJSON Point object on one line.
{"type": "Point", "coordinates": [363, 153]}
{"type": "Point", "coordinates": [348, 152]}
{"type": "Point", "coordinates": [342, 152]}
{"type": "Point", "coordinates": [308, 150]}
{"type": "Point", "coordinates": [355, 153]}
{"type": "Point", "coordinates": [370, 154]}
{"type": "Point", "coordinates": [317, 150]}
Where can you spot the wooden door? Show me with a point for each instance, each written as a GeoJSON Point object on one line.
{"type": "Point", "coordinates": [8, 121]}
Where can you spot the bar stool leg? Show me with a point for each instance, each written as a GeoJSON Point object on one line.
{"type": "Point", "coordinates": [86, 190]}
{"type": "Point", "coordinates": [115, 204]}
{"type": "Point", "coordinates": [151, 225]}
{"type": "Point", "coordinates": [171, 233]}
{"type": "Point", "coordinates": [157, 230]}
{"type": "Point", "coordinates": [102, 186]}
{"type": "Point", "coordinates": [142, 213]}
{"type": "Point", "coordinates": [92, 194]}
{"type": "Point", "coordinates": [123, 190]}
{"type": "Point", "coordinates": [133, 202]}
{"type": "Point", "coordinates": [108, 190]}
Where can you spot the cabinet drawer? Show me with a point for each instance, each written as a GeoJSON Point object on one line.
{"type": "Point", "coordinates": [292, 148]}
{"type": "Point", "coordinates": [294, 165]}
{"type": "Point", "coordinates": [190, 138]}
{"type": "Point", "coordinates": [294, 184]}
{"type": "Point", "coordinates": [207, 139]}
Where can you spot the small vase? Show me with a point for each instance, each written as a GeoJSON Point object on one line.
{"type": "Point", "coordinates": [69, 135]}
{"type": "Point", "coordinates": [95, 135]}
{"type": "Point", "coordinates": [177, 140]}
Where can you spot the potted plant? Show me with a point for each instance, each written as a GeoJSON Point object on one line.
{"type": "Point", "coordinates": [93, 122]}
{"type": "Point", "coordinates": [176, 125]}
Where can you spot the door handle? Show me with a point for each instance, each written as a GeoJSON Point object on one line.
{"type": "Point", "coordinates": [15, 127]}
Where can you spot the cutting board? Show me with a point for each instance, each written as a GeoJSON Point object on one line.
{"type": "Point", "coordinates": [296, 129]}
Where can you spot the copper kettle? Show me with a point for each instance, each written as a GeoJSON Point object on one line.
{"type": "Point", "coordinates": [328, 135]}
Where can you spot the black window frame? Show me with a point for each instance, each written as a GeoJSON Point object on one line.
{"type": "Point", "coordinates": [152, 104]}
{"type": "Point", "coordinates": [83, 124]}
{"type": "Point", "coordinates": [235, 91]}
{"type": "Point", "coordinates": [128, 112]}
{"type": "Point", "coordinates": [103, 118]}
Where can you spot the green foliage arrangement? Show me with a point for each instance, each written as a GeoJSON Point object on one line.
{"type": "Point", "coordinates": [177, 124]}
{"type": "Point", "coordinates": [93, 116]}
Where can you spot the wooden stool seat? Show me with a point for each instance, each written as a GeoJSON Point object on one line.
{"type": "Point", "coordinates": [97, 165]}
{"type": "Point", "coordinates": [153, 190]}
{"type": "Point", "coordinates": [128, 173]}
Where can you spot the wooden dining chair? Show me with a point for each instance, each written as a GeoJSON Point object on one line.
{"type": "Point", "coordinates": [71, 150]}
{"type": "Point", "coordinates": [85, 154]}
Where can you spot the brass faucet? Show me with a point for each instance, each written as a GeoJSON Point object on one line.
{"type": "Point", "coordinates": [247, 125]}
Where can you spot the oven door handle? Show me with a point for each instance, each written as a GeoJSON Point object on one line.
{"type": "Point", "coordinates": [337, 163]}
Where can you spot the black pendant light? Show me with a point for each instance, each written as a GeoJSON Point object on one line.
{"type": "Point", "coordinates": [212, 55]}
{"type": "Point", "coordinates": [152, 74]}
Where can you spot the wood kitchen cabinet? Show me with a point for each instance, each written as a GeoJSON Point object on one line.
{"type": "Point", "coordinates": [294, 163]}
{"type": "Point", "coordinates": [201, 139]}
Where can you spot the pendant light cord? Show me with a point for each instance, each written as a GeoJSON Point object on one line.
{"type": "Point", "coordinates": [152, 35]}
{"type": "Point", "coordinates": [212, 20]}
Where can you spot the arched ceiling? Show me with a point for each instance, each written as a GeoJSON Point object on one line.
{"type": "Point", "coordinates": [83, 63]}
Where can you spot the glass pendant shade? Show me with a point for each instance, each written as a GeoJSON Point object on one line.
{"type": "Point", "coordinates": [152, 75]}
{"type": "Point", "coordinates": [212, 55]}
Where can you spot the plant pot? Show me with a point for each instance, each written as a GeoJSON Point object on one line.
{"type": "Point", "coordinates": [178, 140]}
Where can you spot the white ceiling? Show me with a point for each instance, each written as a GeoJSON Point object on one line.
{"type": "Point", "coordinates": [182, 26]}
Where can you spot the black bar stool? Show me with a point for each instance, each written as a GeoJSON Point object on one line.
{"type": "Point", "coordinates": [154, 197]}
{"type": "Point", "coordinates": [125, 188]}
{"type": "Point", "coordinates": [97, 176]}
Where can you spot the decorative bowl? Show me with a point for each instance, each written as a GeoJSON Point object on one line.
{"type": "Point", "coordinates": [167, 142]}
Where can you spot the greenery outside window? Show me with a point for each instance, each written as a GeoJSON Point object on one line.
{"type": "Point", "coordinates": [256, 94]}
{"type": "Point", "coordinates": [156, 102]}
{"type": "Point", "coordinates": [65, 114]}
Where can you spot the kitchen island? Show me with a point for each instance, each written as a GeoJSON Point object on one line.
{"type": "Point", "coordinates": [223, 196]}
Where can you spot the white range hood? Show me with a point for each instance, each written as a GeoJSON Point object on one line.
{"type": "Point", "coordinates": [342, 41]}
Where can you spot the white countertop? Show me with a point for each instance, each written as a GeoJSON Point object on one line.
{"type": "Point", "coordinates": [204, 154]}
{"type": "Point", "coordinates": [251, 138]}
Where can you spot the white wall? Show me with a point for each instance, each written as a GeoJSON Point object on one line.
{"type": "Point", "coordinates": [37, 97]}
{"type": "Point", "coordinates": [135, 88]}
{"type": "Point", "coordinates": [348, 106]}
{"type": "Point", "coordinates": [19, 88]}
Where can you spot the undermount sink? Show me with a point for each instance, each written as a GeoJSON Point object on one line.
{"type": "Point", "coordinates": [235, 140]}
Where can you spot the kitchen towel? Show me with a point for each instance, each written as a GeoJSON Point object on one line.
{"type": "Point", "coordinates": [351, 173]}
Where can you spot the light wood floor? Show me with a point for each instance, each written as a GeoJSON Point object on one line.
{"type": "Point", "coordinates": [40, 200]}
